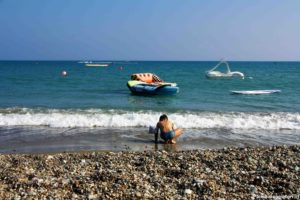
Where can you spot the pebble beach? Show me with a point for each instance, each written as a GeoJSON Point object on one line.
{"type": "Point", "coordinates": [230, 173]}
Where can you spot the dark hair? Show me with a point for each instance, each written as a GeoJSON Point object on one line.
{"type": "Point", "coordinates": [163, 117]}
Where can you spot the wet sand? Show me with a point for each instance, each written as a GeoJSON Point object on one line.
{"type": "Point", "coordinates": [47, 139]}
{"type": "Point", "coordinates": [228, 173]}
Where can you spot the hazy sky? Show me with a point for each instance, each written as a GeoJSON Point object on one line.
{"type": "Point", "coordinates": [149, 29]}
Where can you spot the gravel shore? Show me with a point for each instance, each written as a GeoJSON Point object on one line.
{"type": "Point", "coordinates": [228, 173]}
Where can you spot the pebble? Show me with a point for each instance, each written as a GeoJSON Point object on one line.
{"type": "Point", "coordinates": [138, 194]}
{"type": "Point", "coordinates": [252, 189]}
{"type": "Point", "coordinates": [92, 196]}
{"type": "Point", "coordinates": [188, 191]}
{"type": "Point", "coordinates": [49, 157]}
{"type": "Point", "coordinates": [228, 173]}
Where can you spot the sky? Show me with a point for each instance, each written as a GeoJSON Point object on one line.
{"type": "Point", "coordinates": [196, 30]}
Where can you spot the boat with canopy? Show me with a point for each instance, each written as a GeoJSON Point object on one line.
{"type": "Point", "coordinates": [213, 73]}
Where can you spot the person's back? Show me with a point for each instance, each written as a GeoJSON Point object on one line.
{"type": "Point", "coordinates": [165, 126]}
{"type": "Point", "coordinates": [167, 131]}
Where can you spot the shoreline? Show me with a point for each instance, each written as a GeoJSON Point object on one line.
{"type": "Point", "coordinates": [55, 140]}
{"type": "Point", "coordinates": [231, 172]}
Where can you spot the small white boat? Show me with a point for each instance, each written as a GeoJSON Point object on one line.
{"type": "Point", "coordinates": [96, 65]}
{"type": "Point", "coordinates": [254, 91]}
{"type": "Point", "coordinates": [217, 74]}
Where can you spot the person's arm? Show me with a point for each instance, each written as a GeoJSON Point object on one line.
{"type": "Point", "coordinates": [156, 134]}
{"type": "Point", "coordinates": [173, 126]}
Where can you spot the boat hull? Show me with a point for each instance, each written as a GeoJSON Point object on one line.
{"type": "Point", "coordinates": [217, 74]}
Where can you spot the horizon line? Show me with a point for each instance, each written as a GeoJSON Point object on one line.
{"type": "Point", "coordinates": [138, 60]}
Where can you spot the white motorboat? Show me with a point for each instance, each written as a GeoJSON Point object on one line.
{"type": "Point", "coordinates": [228, 74]}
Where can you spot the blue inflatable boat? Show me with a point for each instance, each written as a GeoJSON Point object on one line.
{"type": "Point", "coordinates": [150, 84]}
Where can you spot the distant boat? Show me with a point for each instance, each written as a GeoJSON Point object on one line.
{"type": "Point", "coordinates": [217, 74]}
{"type": "Point", "coordinates": [96, 65]}
{"type": "Point", "coordinates": [85, 62]}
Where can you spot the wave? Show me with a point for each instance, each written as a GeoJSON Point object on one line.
{"type": "Point", "coordinates": [144, 118]}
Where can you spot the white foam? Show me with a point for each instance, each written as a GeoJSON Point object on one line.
{"type": "Point", "coordinates": [119, 118]}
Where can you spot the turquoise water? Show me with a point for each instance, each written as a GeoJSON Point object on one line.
{"type": "Point", "coordinates": [34, 94]}
{"type": "Point", "coordinates": [39, 84]}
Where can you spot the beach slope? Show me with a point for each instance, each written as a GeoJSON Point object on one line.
{"type": "Point", "coordinates": [228, 173]}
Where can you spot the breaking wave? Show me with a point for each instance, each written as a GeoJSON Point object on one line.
{"type": "Point", "coordinates": [144, 118]}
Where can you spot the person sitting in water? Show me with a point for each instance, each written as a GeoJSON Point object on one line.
{"type": "Point", "coordinates": [167, 131]}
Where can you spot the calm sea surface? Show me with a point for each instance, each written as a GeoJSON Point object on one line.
{"type": "Point", "coordinates": [81, 109]}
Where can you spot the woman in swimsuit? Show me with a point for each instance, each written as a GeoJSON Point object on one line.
{"type": "Point", "coordinates": [167, 131]}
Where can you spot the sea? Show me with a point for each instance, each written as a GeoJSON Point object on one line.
{"type": "Point", "coordinates": [91, 108]}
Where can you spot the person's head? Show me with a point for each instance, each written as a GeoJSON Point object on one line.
{"type": "Point", "coordinates": [163, 117]}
